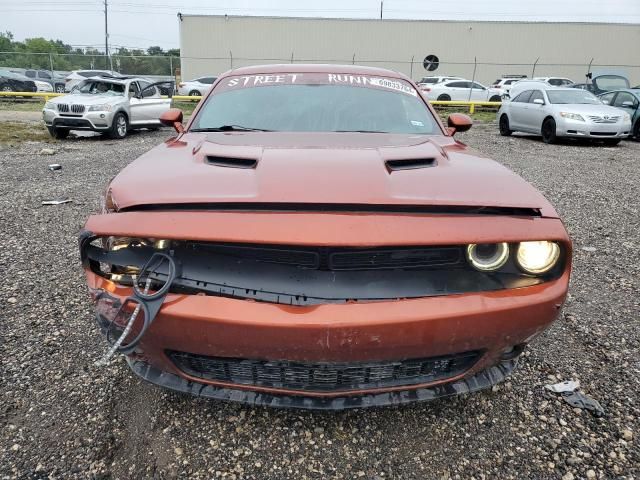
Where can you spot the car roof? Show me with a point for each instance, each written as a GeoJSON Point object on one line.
{"type": "Point", "coordinates": [315, 68]}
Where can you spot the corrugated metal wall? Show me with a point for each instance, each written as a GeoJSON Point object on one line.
{"type": "Point", "coordinates": [213, 44]}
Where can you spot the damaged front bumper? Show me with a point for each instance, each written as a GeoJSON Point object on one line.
{"type": "Point", "coordinates": [219, 336]}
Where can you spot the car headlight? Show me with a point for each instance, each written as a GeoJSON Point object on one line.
{"type": "Point", "coordinates": [626, 117]}
{"type": "Point", "coordinates": [572, 116]}
{"type": "Point", "coordinates": [100, 108]}
{"type": "Point", "coordinates": [487, 257]}
{"type": "Point", "coordinates": [537, 257]}
{"type": "Point", "coordinates": [49, 106]}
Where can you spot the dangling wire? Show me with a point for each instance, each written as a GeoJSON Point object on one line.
{"type": "Point", "coordinates": [116, 345]}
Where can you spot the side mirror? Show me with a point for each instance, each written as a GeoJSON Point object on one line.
{"type": "Point", "coordinates": [627, 104]}
{"type": "Point", "coordinates": [458, 122]}
{"type": "Point", "coordinates": [172, 118]}
{"type": "Point", "coordinates": [538, 101]}
{"type": "Point", "coordinates": [606, 102]}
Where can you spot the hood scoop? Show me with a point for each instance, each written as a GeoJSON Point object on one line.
{"type": "Point", "coordinates": [409, 164]}
{"type": "Point", "coordinates": [231, 162]}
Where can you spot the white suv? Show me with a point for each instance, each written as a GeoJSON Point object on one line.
{"type": "Point", "coordinates": [503, 84]}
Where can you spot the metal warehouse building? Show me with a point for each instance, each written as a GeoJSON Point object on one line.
{"type": "Point", "coordinates": [213, 44]}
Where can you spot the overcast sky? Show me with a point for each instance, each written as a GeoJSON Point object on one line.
{"type": "Point", "coordinates": [141, 23]}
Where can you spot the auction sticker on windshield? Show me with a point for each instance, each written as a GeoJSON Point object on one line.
{"type": "Point", "coordinates": [249, 81]}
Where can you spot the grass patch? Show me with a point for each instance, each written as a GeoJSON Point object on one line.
{"type": "Point", "coordinates": [17, 132]}
{"type": "Point", "coordinates": [186, 107]}
{"type": "Point", "coordinates": [17, 105]}
{"type": "Point", "coordinates": [480, 115]}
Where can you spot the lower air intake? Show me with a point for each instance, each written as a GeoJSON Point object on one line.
{"type": "Point", "coordinates": [321, 376]}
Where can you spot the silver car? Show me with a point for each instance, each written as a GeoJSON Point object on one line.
{"type": "Point", "coordinates": [562, 112]}
{"type": "Point", "coordinates": [108, 105]}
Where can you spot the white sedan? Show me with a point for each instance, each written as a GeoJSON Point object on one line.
{"type": "Point", "coordinates": [554, 112]}
{"type": "Point", "coordinates": [461, 90]}
{"type": "Point", "coordinates": [197, 87]}
{"type": "Point", "coordinates": [43, 86]}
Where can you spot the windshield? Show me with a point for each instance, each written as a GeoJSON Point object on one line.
{"type": "Point", "coordinates": [316, 103]}
{"type": "Point", "coordinates": [98, 87]}
{"type": "Point", "coordinates": [572, 97]}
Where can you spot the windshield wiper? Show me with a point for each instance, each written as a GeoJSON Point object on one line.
{"type": "Point", "coordinates": [230, 128]}
{"type": "Point", "coordinates": [359, 131]}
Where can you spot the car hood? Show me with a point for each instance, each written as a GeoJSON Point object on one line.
{"type": "Point", "coordinates": [586, 109]}
{"type": "Point", "coordinates": [87, 99]}
{"type": "Point", "coordinates": [320, 168]}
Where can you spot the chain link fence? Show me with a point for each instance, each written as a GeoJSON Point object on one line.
{"type": "Point", "coordinates": [170, 66]}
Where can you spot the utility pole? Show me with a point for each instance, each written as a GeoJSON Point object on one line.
{"type": "Point", "coordinates": [381, 8]}
{"type": "Point", "coordinates": [106, 35]}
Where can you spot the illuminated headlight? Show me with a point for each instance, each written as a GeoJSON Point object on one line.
{"type": "Point", "coordinates": [537, 257]}
{"type": "Point", "coordinates": [49, 106]}
{"type": "Point", "coordinates": [572, 116]}
{"type": "Point", "coordinates": [487, 257]}
{"type": "Point", "coordinates": [100, 108]}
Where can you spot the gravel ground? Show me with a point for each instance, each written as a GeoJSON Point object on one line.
{"type": "Point", "coordinates": [62, 417]}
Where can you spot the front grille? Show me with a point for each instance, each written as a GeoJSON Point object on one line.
{"type": "Point", "coordinates": [396, 258]}
{"type": "Point", "coordinates": [323, 376]}
{"type": "Point", "coordinates": [73, 108]}
{"type": "Point", "coordinates": [603, 119]}
{"type": "Point", "coordinates": [327, 258]}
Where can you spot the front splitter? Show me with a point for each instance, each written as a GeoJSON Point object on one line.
{"type": "Point", "coordinates": [480, 381]}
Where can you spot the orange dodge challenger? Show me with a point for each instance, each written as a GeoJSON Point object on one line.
{"type": "Point", "coordinates": [316, 238]}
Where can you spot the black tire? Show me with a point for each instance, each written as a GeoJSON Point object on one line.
{"type": "Point", "coordinates": [119, 126]}
{"type": "Point", "coordinates": [59, 88]}
{"type": "Point", "coordinates": [495, 98]}
{"type": "Point", "coordinates": [612, 142]}
{"type": "Point", "coordinates": [548, 131]}
{"type": "Point", "coordinates": [6, 88]}
{"type": "Point", "coordinates": [58, 133]}
{"type": "Point", "coordinates": [195, 93]}
{"type": "Point", "coordinates": [444, 97]}
{"type": "Point", "coordinates": [505, 131]}
{"type": "Point", "coordinates": [636, 130]}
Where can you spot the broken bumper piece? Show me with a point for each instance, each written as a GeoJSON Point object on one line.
{"type": "Point", "coordinates": [480, 381]}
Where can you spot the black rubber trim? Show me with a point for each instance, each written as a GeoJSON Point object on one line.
{"type": "Point", "coordinates": [338, 207]}
{"type": "Point", "coordinates": [482, 380]}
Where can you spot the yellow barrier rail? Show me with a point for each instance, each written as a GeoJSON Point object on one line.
{"type": "Point", "coordinates": [48, 95]}
{"type": "Point", "coordinates": [471, 105]}
{"type": "Point", "coordinates": [449, 103]}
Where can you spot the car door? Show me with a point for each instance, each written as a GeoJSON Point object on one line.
{"type": "Point", "coordinates": [534, 112]}
{"type": "Point", "coordinates": [627, 102]}
{"type": "Point", "coordinates": [478, 92]}
{"type": "Point", "coordinates": [146, 104]}
{"type": "Point", "coordinates": [517, 110]}
{"type": "Point", "coordinates": [607, 98]}
{"type": "Point", "coordinates": [457, 90]}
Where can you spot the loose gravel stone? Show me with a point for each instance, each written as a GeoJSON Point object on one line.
{"type": "Point", "coordinates": [72, 420]}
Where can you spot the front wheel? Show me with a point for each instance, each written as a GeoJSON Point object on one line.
{"type": "Point", "coordinates": [636, 130]}
{"type": "Point", "coordinates": [505, 131]}
{"type": "Point", "coordinates": [59, 88]}
{"type": "Point", "coordinates": [58, 133]}
{"type": "Point", "coordinates": [549, 131]}
{"type": "Point", "coordinates": [194, 93]}
{"type": "Point", "coordinates": [7, 88]}
{"type": "Point", "coordinates": [119, 127]}
{"type": "Point", "coordinates": [495, 98]}
{"type": "Point", "coordinates": [444, 97]}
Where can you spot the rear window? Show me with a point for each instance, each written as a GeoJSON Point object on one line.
{"type": "Point", "coordinates": [317, 103]}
